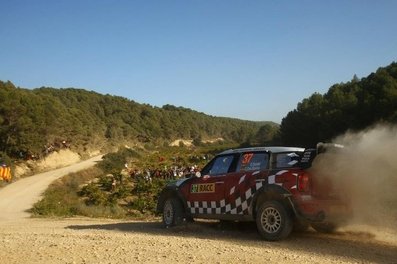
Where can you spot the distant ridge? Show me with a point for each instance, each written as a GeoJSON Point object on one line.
{"type": "Point", "coordinates": [35, 120]}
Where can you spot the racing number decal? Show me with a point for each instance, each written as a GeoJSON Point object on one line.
{"type": "Point", "coordinates": [203, 188]}
{"type": "Point", "coordinates": [247, 158]}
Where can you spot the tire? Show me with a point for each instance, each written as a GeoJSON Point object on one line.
{"type": "Point", "coordinates": [325, 227]}
{"type": "Point", "coordinates": [273, 221]}
{"type": "Point", "coordinates": [172, 212]}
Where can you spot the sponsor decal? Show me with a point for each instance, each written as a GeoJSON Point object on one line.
{"type": "Point", "coordinates": [203, 188]}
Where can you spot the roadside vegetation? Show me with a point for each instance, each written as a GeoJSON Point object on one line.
{"type": "Point", "coordinates": [125, 184]}
{"type": "Point", "coordinates": [353, 106]}
{"type": "Point", "coordinates": [36, 122]}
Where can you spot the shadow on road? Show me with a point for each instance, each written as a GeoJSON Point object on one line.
{"type": "Point", "coordinates": [357, 246]}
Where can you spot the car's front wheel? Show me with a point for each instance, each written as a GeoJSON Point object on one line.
{"type": "Point", "coordinates": [172, 212]}
{"type": "Point", "coordinates": [273, 221]}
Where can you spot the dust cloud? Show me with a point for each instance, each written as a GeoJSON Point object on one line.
{"type": "Point", "coordinates": [365, 173]}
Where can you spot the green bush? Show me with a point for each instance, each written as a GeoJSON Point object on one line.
{"type": "Point", "coordinates": [105, 183]}
{"type": "Point", "coordinates": [61, 198]}
{"type": "Point", "coordinates": [93, 194]}
{"type": "Point", "coordinates": [57, 202]}
{"type": "Point", "coordinates": [146, 193]}
{"type": "Point", "coordinates": [114, 162]}
{"type": "Point", "coordinates": [5, 159]}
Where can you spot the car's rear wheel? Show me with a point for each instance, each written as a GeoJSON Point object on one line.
{"type": "Point", "coordinates": [325, 227]}
{"type": "Point", "coordinates": [172, 212]}
{"type": "Point", "coordinates": [273, 221]}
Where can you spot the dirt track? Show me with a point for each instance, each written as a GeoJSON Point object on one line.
{"type": "Point", "coordinates": [19, 196]}
{"type": "Point", "coordinates": [82, 240]}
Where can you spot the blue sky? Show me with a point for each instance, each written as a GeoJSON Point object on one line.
{"type": "Point", "coordinates": [252, 60]}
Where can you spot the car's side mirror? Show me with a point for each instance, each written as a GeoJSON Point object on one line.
{"type": "Point", "coordinates": [197, 174]}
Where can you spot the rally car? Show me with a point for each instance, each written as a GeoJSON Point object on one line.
{"type": "Point", "coordinates": [269, 185]}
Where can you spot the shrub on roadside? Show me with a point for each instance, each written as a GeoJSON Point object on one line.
{"type": "Point", "coordinates": [93, 195]}
{"type": "Point", "coordinates": [103, 192]}
{"type": "Point", "coordinates": [146, 193]}
{"type": "Point", "coordinates": [111, 190]}
{"type": "Point", "coordinates": [114, 162]}
{"type": "Point", "coordinates": [61, 198]}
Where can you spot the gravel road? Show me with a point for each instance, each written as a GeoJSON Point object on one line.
{"type": "Point", "coordinates": [84, 240]}
{"type": "Point", "coordinates": [20, 196]}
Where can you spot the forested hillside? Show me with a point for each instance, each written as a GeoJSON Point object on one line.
{"type": "Point", "coordinates": [31, 121]}
{"type": "Point", "coordinates": [354, 105]}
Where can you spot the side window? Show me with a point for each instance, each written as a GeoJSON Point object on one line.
{"type": "Point", "coordinates": [253, 161]}
{"type": "Point", "coordinates": [286, 160]}
{"type": "Point", "coordinates": [221, 165]}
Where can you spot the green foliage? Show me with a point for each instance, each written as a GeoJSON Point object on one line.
{"type": "Point", "coordinates": [114, 162]}
{"type": "Point", "coordinates": [146, 194]}
{"type": "Point", "coordinates": [103, 192]}
{"type": "Point", "coordinates": [61, 198]}
{"type": "Point", "coordinates": [354, 105]}
{"type": "Point", "coordinates": [30, 119]}
{"type": "Point", "coordinates": [58, 202]}
{"type": "Point", "coordinates": [94, 195]}
{"type": "Point", "coordinates": [142, 194]}
{"type": "Point", "coordinates": [64, 198]}
{"type": "Point", "coordinates": [266, 134]}
{"type": "Point", "coordinates": [4, 159]}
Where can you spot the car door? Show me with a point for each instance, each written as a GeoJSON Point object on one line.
{"type": "Point", "coordinates": [241, 185]}
{"type": "Point", "coordinates": [206, 194]}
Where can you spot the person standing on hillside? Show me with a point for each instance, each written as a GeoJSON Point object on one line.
{"type": "Point", "coordinates": [5, 173]}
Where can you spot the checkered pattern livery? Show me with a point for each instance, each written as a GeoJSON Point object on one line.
{"type": "Point", "coordinates": [236, 203]}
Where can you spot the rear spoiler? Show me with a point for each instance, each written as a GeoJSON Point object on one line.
{"type": "Point", "coordinates": [309, 154]}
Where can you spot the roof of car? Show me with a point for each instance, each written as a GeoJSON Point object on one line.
{"type": "Point", "coordinates": [269, 149]}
